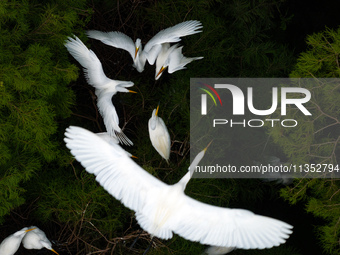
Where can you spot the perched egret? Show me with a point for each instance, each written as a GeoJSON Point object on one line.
{"type": "Point", "coordinates": [284, 178]}
{"type": "Point", "coordinates": [163, 209]}
{"type": "Point", "coordinates": [11, 244]}
{"type": "Point", "coordinates": [105, 87]}
{"type": "Point", "coordinates": [36, 239]}
{"type": "Point", "coordinates": [159, 135]}
{"type": "Point", "coordinates": [171, 58]}
{"type": "Point", "coordinates": [152, 47]}
{"type": "Point", "coordinates": [217, 250]}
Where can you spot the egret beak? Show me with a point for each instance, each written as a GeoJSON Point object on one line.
{"type": "Point", "coordinates": [131, 91]}
{"type": "Point", "coordinates": [29, 229]}
{"type": "Point", "coordinates": [54, 251]}
{"type": "Point", "coordinates": [132, 156]}
{"type": "Point", "coordinates": [137, 49]}
{"type": "Point", "coordinates": [157, 110]}
{"type": "Point", "coordinates": [205, 149]}
{"type": "Point", "coordinates": [160, 71]}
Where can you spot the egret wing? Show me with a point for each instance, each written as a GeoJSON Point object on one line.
{"type": "Point", "coordinates": [174, 33]}
{"type": "Point", "coordinates": [110, 117]}
{"type": "Point", "coordinates": [177, 61]}
{"type": "Point", "coordinates": [170, 35]}
{"type": "Point", "coordinates": [115, 171]}
{"type": "Point", "coordinates": [227, 227]}
{"type": "Point", "coordinates": [115, 39]}
{"type": "Point", "coordinates": [164, 139]}
{"type": "Point", "coordinates": [88, 59]}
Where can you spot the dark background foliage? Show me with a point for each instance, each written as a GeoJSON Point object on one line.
{"type": "Point", "coordinates": [43, 91]}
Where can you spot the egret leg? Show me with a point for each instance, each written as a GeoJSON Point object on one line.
{"type": "Point", "coordinates": [134, 242]}
{"type": "Point", "coordinates": [147, 249]}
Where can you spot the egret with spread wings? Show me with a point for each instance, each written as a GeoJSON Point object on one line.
{"type": "Point", "coordinates": [105, 87]}
{"type": "Point", "coordinates": [163, 209]}
{"type": "Point", "coordinates": [153, 47]}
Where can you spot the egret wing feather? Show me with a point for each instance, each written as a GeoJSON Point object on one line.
{"type": "Point", "coordinates": [110, 117]}
{"type": "Point", "coordinates": [177, 61]}
{"type": "Point", "coordinates": [173, 34]}
{"type": "Point", "coordinates": [115, 170]}
{"type": "Point", "coordinates": [238, 228]}
{"type": "Point", "coordinates": [162, 139]}
{"type": "Point", "coordinates": [89, 61]}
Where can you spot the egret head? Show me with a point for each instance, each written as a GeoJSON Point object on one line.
{"type": "Point", "coordinates": [122, 87]}
{"type": "Point", "coordinates": [197, 159]}
{"type": "Point", "coordinates": [159, 74]}
{"type": "Point", "coordinates": [138, 45]}
{"type": "Point", "coordinates": [153, 119]}
{"type": "Point", "coordinates": [23, 231]}
{"type": "Point", "coordinates": [48, 246]}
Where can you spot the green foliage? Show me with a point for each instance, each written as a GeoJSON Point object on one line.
{"type": "Point", "coordinates": [235, 34]}
{"type": "Point", "coordinates": [321, 58]}
{"type": "Point", "coordinates": [316, 138]}
{"type": "Point", "coordinates": [77, 201]}
{"type": "Point", "coordinates": [239, 39]}
{"type": "Point", "coordinates": [34, 96]}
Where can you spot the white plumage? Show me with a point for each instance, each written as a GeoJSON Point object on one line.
{"type": "Point", "coordinates": [152, 47]}
{"type": "Point", "coordinates": [105, 87]}
{"type": "Point", "coordinates": [163, 209]}
{"type": "Point", "coordinates": [171, 58]}
{"type": "Point", "coordinates": [217, 250]}
{"type": "Point", "coordinates": [11, 244]}
{"type": "Point", "coordinates": [36, 239]}
{"type": "Point", "coordinates": [159, 135]}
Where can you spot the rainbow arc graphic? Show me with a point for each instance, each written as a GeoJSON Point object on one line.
{"type": "Point", "coordinates": [210, 91]}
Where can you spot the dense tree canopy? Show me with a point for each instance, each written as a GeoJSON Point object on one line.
{"type": "Point", "coordinates": [317, 140]}
{"type": "Point", "coordinates": [43, 90]}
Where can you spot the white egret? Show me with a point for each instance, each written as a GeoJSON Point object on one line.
{"type": "Point", "coordinates": [11, 244]}
{"type": "Point", "coordinates": [112, 140]}
{"type": "Point", "coordinates": [159, 135]}
{"type": "Point", "coordinates": [284, 178]}
{"type": "Point", "coordinates": [163, 209]}
{"type": "Point", "coordinates": [152, 47]}
{"type": "Point", "coordinates": [122, 41]}
{"type": "Point", "coordinates": [171, 58]}
{"type": "Point", "coordinates": [105, 87]}
{"type": "Point", "coordinates": [217, 250]}
{"type": "Point", "coordinates": [36, 239]}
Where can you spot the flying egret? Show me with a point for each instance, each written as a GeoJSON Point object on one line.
{"type": "Point", "coordinates": [11, 244]}
{"type": "Point", "coordinates": [159, 135]}
{"type": "Point", "coordinates": [36, 239]}
{"type": "Point", "coordinates": [105, 87]}
{"type": "Point", "coordinates": [171, 58]}
{"type": "Point", "coordinates": [112, 140]}
{"type": "Point", "coordinates": [163, 209]}
{"type": "Point", "coordinates": [152, 47]}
